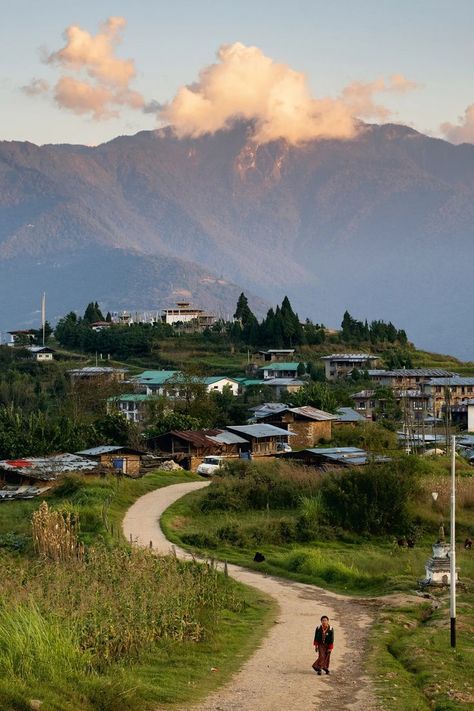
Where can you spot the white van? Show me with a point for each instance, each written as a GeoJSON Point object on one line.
{"type": "Point", "coordinates": [210, 465]}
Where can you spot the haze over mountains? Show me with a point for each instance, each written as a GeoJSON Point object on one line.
{"type": "Point", "coordinates": [381, 224]}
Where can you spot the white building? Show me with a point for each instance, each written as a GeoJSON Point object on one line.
{"type": "Point", "coordinates": [185, 313]}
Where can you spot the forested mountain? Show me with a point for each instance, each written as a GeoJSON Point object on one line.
{"type": "Point", "coordinates": [381, 224]}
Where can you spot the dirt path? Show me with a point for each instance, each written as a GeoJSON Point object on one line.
{"type": "Point", "coordinates": [278, 676]}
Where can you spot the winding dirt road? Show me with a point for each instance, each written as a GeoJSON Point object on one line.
{"type": "Point", "coordinates": [278, 676]}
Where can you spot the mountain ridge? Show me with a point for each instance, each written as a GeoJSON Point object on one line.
{"type": "Point", "coordinates": [365, 224]}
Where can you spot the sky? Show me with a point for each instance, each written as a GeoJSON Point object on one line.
{"type": "Point", "coordinates": [318, 65]}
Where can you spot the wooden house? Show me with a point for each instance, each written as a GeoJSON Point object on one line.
{"type": "Point", "coordinates": [118, 459]}
{"type": "Point", "coordinates": [189, 447]}
{"type": "Point", "coordinates": [264, 439]}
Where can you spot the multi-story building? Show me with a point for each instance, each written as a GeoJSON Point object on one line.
{"type": "Point", "coordinates": [185, 314]}
{"type": "Point", "coordinates": [412, 404]}
{"type": "Point", "coordinates": [340, 365]}
{"type": "Point", "coordinates": [407, 378]}
{"type": "Point", "coordinates": [449, 391]}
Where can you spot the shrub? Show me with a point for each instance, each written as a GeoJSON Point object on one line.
{"type": "Point", "coordinates": [13, 541]}
{"type": "Point", "coordinates": [259, 486]}
{"type": "Point", "coordinates": [373, 499]}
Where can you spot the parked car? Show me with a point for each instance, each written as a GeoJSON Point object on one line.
{"type": "Point", "coordinates": [283, 447]}
{"type": "Point", "coordinates": [210, 465]}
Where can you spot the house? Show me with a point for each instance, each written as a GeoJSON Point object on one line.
{"type": "Point", "coordinates": [33, 469]}
{"type": "Point", "coordinates": [131, 405]}
{"type": "Point", "coordinates": [189, 447]}
{"type": "Point", "coordinates": [328, 458]}
{"type": "Point", "coordinates": [340, 365]}
{"type": "Point", "coordinates": [407, 378]}
{"type": "Point", "coordinates": [98, 326]}
{"type": "Point", "coordinates": [348, 416]}
{"type": "Point", "coordinates": [264, 439]}
{"type": "Point", "coordinates": [98, 374]}
{"type": "Point", "coordinates": [275, 354]}
{"type": "Point", "coordinates": [116, 458]}
{"type": "Point", "coordinates": [449, 391]}
{"type": "Point", "coordinates": [413, 404]}
{"type": "Point", "coordinates": [470, 415]}
{"type": "Point", "coordinates": [41, 354]}
{"type": "Point", "coordinates": [184, 313]}
{"type": "Point", "coordinates": [308, 424]}
{"type": "Point", "coordinates": [279, 387]}
{"type": "Point", "coordinates": [279, 370]}
{"type": "Point", "coordinates": [19, 338]}
{"type": "Point", "coordinates": [154, 382]}
{"type": "Point", "coordinates": [217, 383]}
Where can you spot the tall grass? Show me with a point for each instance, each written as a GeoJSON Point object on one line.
{"type": "Point", "coordinates": [33, 646]}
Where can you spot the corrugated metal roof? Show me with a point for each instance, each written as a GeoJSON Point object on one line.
{"type": "Point", "coordinates": [260, 430]}
{"type": "Point", "coordinates": [227, 438]}
{"type": "Point", "coordinates": [39, 349]}
{"type": "Point", "coordinates": [269, 408]}
{"type": "Point", "coordinates": [313, 413]}
{"type": "Point", "coordinates": [199, 438]}
{"type": "Point", "coordinates": [348, 456]}
{"type": "Point", "coordinates": [348, 414]}
{"type": "Point", "coordinates": [156, 377]}
{"type": "Point", "coordinates": [103, 449]}
{"type": "Point", "coordinates": [413, 373]}
{"type": "Point", "coordinates": [349, 357]}
{"type": "Point", "coordinates": [216, 378]}
{"type": "Point", "coordinates": [130, 397]}
{"type": "Point", "coordinates": [96, 370]}
{"type": "Point", "coordinates": [281, 366]}
{"type": "Point", "coordinates": [336, 450]}
{"type": "Point", "coordinates": [453, 380]}
{"type": "Point", "coordinates": [47, 468]}
{"type": "Point", "coordinates": [274, 382]}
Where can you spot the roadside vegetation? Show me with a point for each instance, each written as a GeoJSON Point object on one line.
{"type": "Point", "coordinates": [87, 622]}
{"type": "Point", "coordinates": [351, 532]}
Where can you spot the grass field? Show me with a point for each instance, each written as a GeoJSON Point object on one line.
{"type": "Point", "coordinates": [411, 662]}
{"type": "Point", "coordinates": [120, 630]}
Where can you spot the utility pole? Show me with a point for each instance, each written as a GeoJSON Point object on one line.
{"type": "Point", "coordinates": [452, 555]}
{"type": "Point", "coordinates": [43, 316]}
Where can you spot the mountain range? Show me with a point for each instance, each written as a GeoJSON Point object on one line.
{"type": "Point", "coordinates": [381, 225]}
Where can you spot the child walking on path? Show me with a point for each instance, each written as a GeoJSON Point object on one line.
{"type": "Point", "coordinates": [323, 644]}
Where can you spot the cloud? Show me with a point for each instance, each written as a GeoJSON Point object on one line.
{"type": "Point", "coordinates": [36, 87]}
{"type": "Point", "coordinates": [359, 96]}
{"type": "Point", "coordinates": [246, 84]}
{"type": "Point", "coordinates": [462, 132]}
{"type": "Point", "coordinates": [94, 80]}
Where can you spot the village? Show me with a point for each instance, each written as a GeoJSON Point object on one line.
{"type": "Point", "coordinates": [281, 415]}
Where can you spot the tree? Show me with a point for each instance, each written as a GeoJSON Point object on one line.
{"type": "Point", "coordinates": [301, 371]}
{"type": "Point", "coordinates": [243, 312]}
{"type": "Point", "coordinates": [315, 394]}
{"type": "Point", "coordinates": [93, 313]}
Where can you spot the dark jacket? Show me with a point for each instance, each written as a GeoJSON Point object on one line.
{"type": "Point", "coordinates": [318, 637]}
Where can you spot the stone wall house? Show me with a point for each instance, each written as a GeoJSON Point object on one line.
{"type": "Point", "coordinates": [308, 424]}
{"type": "Point", "coordinates": [118, 459]}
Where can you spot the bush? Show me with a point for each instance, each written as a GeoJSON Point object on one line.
{"type": "Point", "coordinates": [259, 486]}
{"type": "Point", "coordinates": [369, 436]}
{"type": "Point", "coordinates": [13, 541]}
{"type": "Point", "coordinates": [373, 499]}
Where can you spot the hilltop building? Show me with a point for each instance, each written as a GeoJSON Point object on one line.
{"type": "Point", "coordinates": [185, 314]}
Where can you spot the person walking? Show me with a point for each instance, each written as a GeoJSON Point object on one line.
{"type": "Point", "coordinates": [323, 644]}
